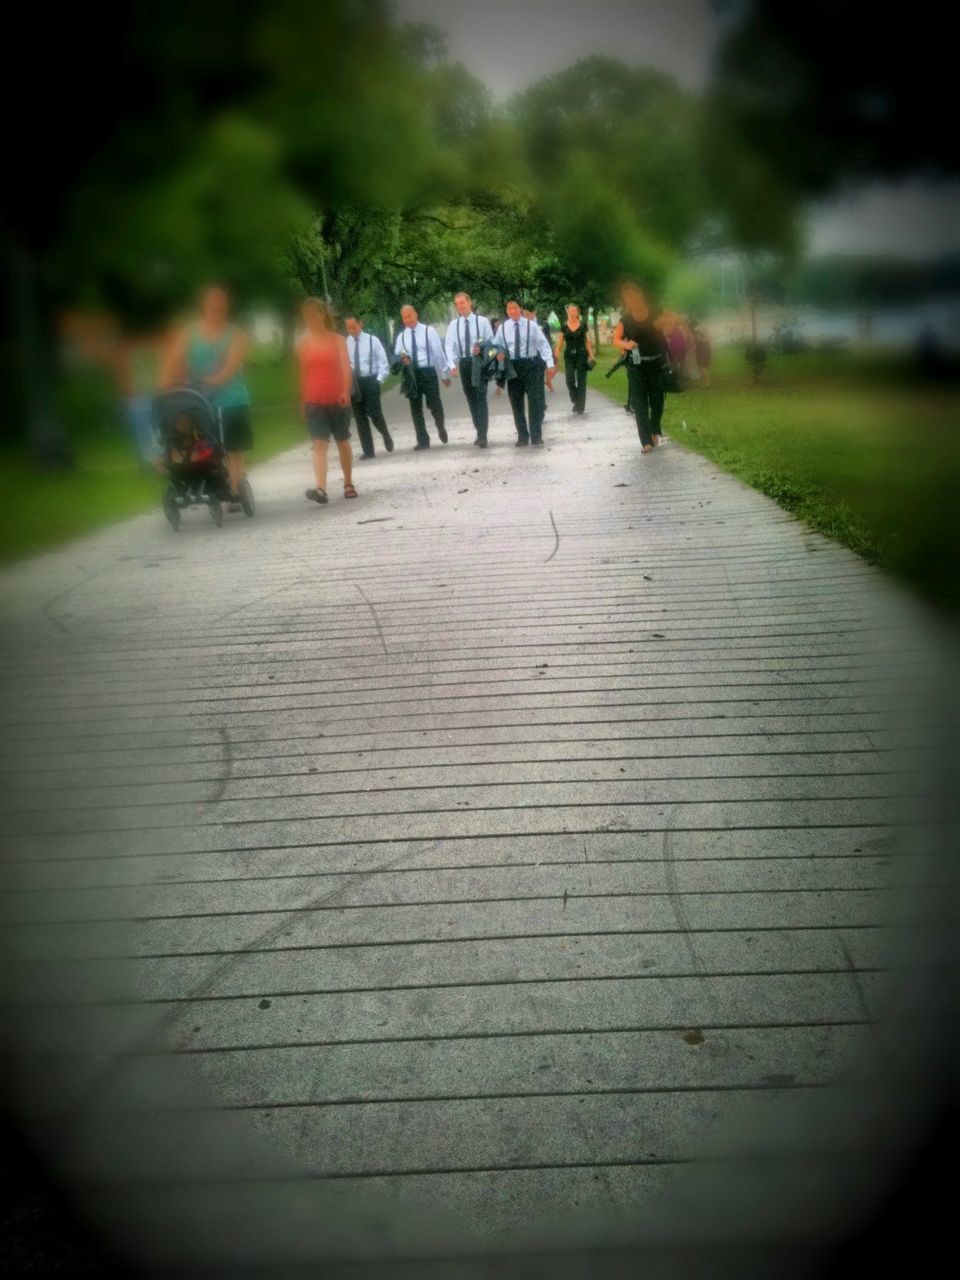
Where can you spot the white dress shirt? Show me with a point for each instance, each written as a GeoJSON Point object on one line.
{"type": "Point", "coordinates": [462, 333]}
{"type": "Point", "coordinates": [532, 340]}
{"type": "Point", "coordinates": [372, 357]}
{"type": "Point", "coordinates": [425, 341]}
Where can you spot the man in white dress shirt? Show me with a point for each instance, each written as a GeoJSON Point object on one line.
{"type": "Point", "coordinates": [523, 341]}
{"type": "Point", "coordinates": [467, 337]}
{"type": "Point", "coordinates": [419, 348]}
{"type": "Point", "coordinates": [368, 362]}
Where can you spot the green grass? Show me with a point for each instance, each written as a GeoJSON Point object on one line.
{"type": "Point", "coordinates": [854, 445]}
{"type": "Point", "coordinates": [41, 511]}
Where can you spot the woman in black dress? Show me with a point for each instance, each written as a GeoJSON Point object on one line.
{"type": "Point", "coordinates": [638, 334]}
{"type": "Point", "coordinates": [575, 339]}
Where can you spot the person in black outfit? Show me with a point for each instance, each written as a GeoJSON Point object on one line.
{"type": "Point", "coordinates": [369, 366]}
{"type": "Point", "coordinates": [638, 334]}
{"type": "Point", "coordinates": [421, 359]}
{"type": "Point", "coordinates": [526, 351]}
{"type": "Point", "coordinates": [468, 337]}
{"type": "Point", "coordinates": [577, 345]}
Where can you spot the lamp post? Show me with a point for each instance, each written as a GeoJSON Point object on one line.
{"type": "Point", "coordinates": [756, 357]}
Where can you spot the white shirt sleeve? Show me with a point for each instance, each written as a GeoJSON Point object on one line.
{"type": "Point", "coordinates": [500, 337]}
{"type": "Point", "coordinates": [438, 356]}
{"type": "Point", "coordinates": [543, 346]}
{"type": "Point", "coordinates": [453, 342]}
{"type": "Point", "coordinates": [379, 359]}
{"type": "Point", "coordinates": [398, 348]}
{"type": "Point", "coordinates": [484, 329]}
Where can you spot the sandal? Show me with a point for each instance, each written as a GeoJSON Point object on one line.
{"type": "Point", "coordinates": [317, 495]}
{"type": "Point", "coordinates": [349, 491]}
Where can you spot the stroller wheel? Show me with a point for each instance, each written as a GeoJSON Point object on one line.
{"type": "Point", "coordinates": [216, 511]}
{"type": "Point", "coordinates": [171, 509]}
{"type": "Point", "coordinates": [245, 494]}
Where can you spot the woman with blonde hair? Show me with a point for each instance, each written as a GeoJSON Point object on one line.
{"type": "Point", "coordinates": [325, 393]}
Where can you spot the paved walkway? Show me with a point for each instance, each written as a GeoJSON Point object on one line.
{"type": "Point", "coordinates": [499, 846]}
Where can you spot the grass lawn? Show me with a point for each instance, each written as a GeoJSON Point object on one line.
{"type": "Point", "coordinates": [39, 510]}
{"type": "Point", "coordinates": [853, 444]}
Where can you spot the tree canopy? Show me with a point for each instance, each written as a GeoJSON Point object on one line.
{"type": "Point", "coordinates": [287, 147]}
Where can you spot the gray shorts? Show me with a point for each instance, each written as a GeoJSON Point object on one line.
{"type": "Point", "coordinates": [326, 420]}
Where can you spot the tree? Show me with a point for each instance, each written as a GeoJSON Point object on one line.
{"type": "Point", "coordinates": [148, 188]}
{"type": "Point", "coordinates": [829, 91]}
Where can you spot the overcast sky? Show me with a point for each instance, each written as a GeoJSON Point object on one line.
{"type": "Point", "coordinates": [510, 43]}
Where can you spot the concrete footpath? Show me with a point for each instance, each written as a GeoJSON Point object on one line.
{"type": "Point", "coordinates": [477, 864]}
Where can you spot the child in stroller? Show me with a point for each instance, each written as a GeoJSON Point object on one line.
{"type": "Point", "coordinates": [192, 455]}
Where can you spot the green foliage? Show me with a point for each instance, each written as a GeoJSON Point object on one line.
{"type": "Point", "coordinates": [690, 289]}
{"type": "Point", "coordinates": [325, 148]}
{"type": "Point", "coordinates": [221, 213]}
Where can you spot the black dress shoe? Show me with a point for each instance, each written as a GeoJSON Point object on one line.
{"type": "Point", "coordinates": [536, 444]}
{"type": "Point", "coordinates": [388, 442]}
{"type": "Point", "coordinates": [365, 456]}
{"type": "Point", "coordinates": [522, 443]}
{"type": "Point", "coordinates": [442, 433]}
{"type": "Point", "coordinates": [421, 446]}
{"type": "Point", "coordinates": [481, 444]}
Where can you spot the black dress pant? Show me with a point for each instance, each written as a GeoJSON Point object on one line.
{"type": "Point", "coordinates": [367, 409]}
{"type": "Point", "coordinates": [528, 383]}
{"type": "Point", "coordinates": [646, 397]}
{"type": "Point", "coordinates": [576, 372]}
{"type": "Point", "coordinates": [476, 397]}
{"type": "Point", "coordinates": [428, 388]}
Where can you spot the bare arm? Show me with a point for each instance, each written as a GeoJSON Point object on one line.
{"type": "Point", "coordinates": [345, 371]}
{"type": "Point", "coordinates": [558, 348]}
{"type": "Point", "coordinates": [173, 367]}
{"type": "Point", "coordinates": [620, 341]}
{"type": "Point", "coordinates": [591, 354]}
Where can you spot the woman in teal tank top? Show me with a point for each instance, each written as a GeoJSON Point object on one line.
{"type": "Point", "coordinates": [208, 356]}
{"type": "Point", "coordinates": [211, 352]}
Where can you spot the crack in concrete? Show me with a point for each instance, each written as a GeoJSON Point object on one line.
{"type": "Point", "coordinates": [556, 544]}
{"type": "Point", "coordinates": [376, 619]}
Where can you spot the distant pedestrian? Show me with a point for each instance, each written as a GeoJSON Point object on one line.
{"type": "Point", "coordinates": [690, 368]}
{"type": "Point", "coordinates": [703, 351]}
{"type": "Point", "coordinates": [369, 366]}
{"type": "Point", "coordinates": [419, 349]}
{"type": "Point", "coordinates": [466, 338]}
{"type": "Point", "coordinates": [576, 344]}
{"type": "Point", "coordinates": [637, 334]}
{"type": "Point", "coordinates": [325, 393]}
{"type": "Point", "coordinates": [522, 343]}
{"type": "Point", "coordinates": [211, 353]}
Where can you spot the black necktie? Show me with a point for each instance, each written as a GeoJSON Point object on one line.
{"type": "Point", "coordinates": [516, 339]}
{"type": "Point", "coordinates": [413, 343]}
{"type": "Point", "coordinates": [465, 340]}
{"type": "Point", "coordinates": [356, 355]}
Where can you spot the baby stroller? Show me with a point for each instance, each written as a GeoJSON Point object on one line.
{"type": "Point", "coordinates": [191, 445]}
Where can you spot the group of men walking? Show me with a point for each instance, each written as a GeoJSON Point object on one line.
{"type": "Point", "coordinates": [518, 356]}
{"type": "Point", "coordinates": [337, 373]}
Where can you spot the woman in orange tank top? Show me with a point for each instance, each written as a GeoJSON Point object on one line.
{"type": "Point", "coordinates": [325, 393]}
